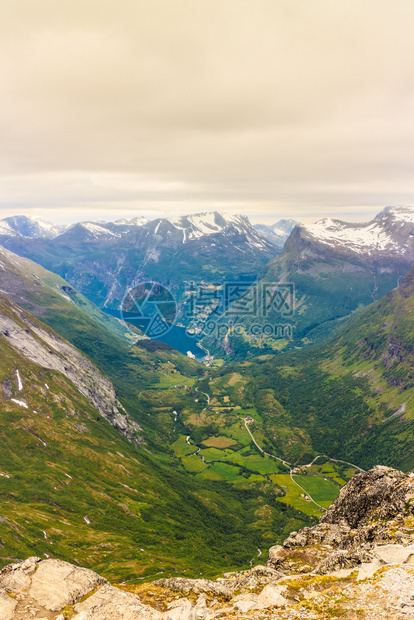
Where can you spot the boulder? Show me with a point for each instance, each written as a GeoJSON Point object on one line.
{"type": "Point", "coordinates": [368, 570]}
{"type": "Point", "coordinates": [182, 609]}
{"type": "Point", "coordinates": [342, 558]}
{"type": "Point", "coordinates": [277, 554]}
{"type": "Point", "coordinates": [57, 584]}
{"type": "Point", "coordinates": [296, 539]}
{"type": "Point", "coordinates": [256, 576]}
{"type": "Point", "coordinates": [197, 586]}
{"type": "Point", "coordinates": [14, 580]}
{"type": "Point", "coordinates": [245, 602]}
{"type": "Point", "coordinates": [16, 577]}
{"type": "Point", "coordinates": [7, 606]}
{"type": "Point", "coordinates": [380, 491]}
{"type": "Point", "coordinates": [178, 610]}
{"type": "Point", "coordinates": [271, 596]}
{"type": "Point", "coordinates": [394, 554]}
{"type": "Point", "coordinates": [109, 602]}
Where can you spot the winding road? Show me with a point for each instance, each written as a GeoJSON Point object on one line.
{"type": "Point", "coordinates": [278, 458]}
{"type": "Point", "coordinates": [285, 463]}
{"type": "Point", "coordinates": [206, 395]}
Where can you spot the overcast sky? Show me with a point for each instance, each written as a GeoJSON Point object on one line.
{"type": "Point", "coordinates": [270, 108]}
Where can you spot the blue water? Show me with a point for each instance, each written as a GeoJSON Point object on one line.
{"type": "Point", "coordinates": [176, 337]}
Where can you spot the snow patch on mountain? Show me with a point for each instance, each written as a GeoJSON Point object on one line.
{"type": "Point", "coordinates": [277, 233]}
{"type": "Point", "coordinates": [335, 232]}
{"type": "Point", "coordinates": [210, 223]}
{"type": "Point", "coordinates": [6, 229]}
{"type": "Point", "coordinates": [405, 214]}
{"type": "Point", "coordinates": [98, 231]}
{"type": "Point", "coordinates": [388, 232]}
{"type": "Point", "coordinates": [133, 221]}
{"type": "Point", "coordinates": [30, 227]}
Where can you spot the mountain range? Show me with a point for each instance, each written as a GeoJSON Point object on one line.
{"type": "Point", "coordinates": [104, 260]}
{"type": "Point", "coordinates": [121, 454]}
{"type": "Point", "coordinates": [335, 269]}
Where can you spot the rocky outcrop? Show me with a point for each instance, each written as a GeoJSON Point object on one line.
{"type": "Point", "coordinates": [377, 495]}
{"type": "Point", "coordinates": [42, 346]}
{"type": "Point", "coordinates": [359, 557]}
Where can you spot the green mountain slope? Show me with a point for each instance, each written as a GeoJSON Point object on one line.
{"type": "Point", "coordinates": [72, 487]}
{"type": "Point", "coordinates": [136, 494]}
{"type": "Point", "coordinates": [334, 269]}
{"type": "Point", "coordinates": [350, 398]}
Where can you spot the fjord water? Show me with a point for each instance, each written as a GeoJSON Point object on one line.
{"type": "Point", "coordinates": [176, 337]}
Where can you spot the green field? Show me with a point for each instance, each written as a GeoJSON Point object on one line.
{"type": "Point", "coordinates": [221, 471]}
{"type": "Point", "coordinates": [182, 448]}
{"type": "Point", "coordinates": [320, 489]}
{"type": "Point", "coordinates": [293, 495]}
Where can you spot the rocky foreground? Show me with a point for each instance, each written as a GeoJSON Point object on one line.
{"type": "Point", "coordinates": [358, 562]}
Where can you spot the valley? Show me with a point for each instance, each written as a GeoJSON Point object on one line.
{"type": "Point", "coordinates": [145, 457]}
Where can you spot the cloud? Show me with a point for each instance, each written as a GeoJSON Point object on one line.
{"type": "Point", "coordinates": [292, 107]}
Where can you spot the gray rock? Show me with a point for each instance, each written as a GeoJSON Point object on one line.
{"type": "Point", "coordinates": [7, 388]}
{"type": "Point", "coordinates": [394, 554]}
{"type": "Point", "coordinates": [180, 584]}
{"type": "Point", "coordinates": [256, 576]}
{"type": "Point", "coordinates": [342, 558]}
{"type": "Point", "coordinates": [368, 570]}
{"type": "Point", "coordinates": [14, 579]}
{"type": "Point", "coordinates": [30, 565]}
{"type": "Point", "coordinates": [277, 554]}
{"type": "Point", "coordinates": [178, 610]}
{"type": "Point", "coordinates": [296, 539]}
{"type": "Point", "coordinates": [7, 606]}
{"type": "Point", "coordinates": [57, 584]}
{"type": "Point", "coordinates": [109, 602]}
{"type": "Point", "coordinates": [378, 490]}
{"type": "Point", "coordinates": [271, 596]}
{"type": "Point", "coordinates": [245, 602]}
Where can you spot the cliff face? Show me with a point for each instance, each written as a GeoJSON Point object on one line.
{"type": "Point", "coordinates": [45, 348]}
{"type": "Point", "coordinates": [358, 562]}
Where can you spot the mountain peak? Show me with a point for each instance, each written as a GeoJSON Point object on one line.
{"type": "Point", "coordinates": [209, 222]}
{"type": "Point", "coordinates": [30, 227]}
{"type": "Point", "coordinates": [278, 232]}
{"type": "Point", "coordinates": [386, 234]}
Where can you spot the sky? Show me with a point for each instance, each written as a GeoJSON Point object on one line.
{"type": "Point", "coordinates": [269, 108]}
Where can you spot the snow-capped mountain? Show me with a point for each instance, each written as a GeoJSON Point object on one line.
{"type": "Point", "coordinates": [29, 227]}
{"type": "Point", "coordinates": [133, 221]}
{"type": "Point", "coordinates": [210, 228]}
{"type": "Point", "coordinates": [277, 233]}
{"type": "Point", "coordinates": [390, 233]}
{"type": "Point", "coordinates": [336, 268]}
{"type": "Point", "coordinates": [192, 227]}
{"type": "Point", "coordinates": [103, 259]}
{"type": "Point", "coordinates": [88, 231]}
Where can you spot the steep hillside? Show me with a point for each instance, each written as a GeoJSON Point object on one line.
{"type": "Point", "coordinates": [334, 269]}
{"type": "Point", "coordinates": [351, 397]}
{"type": "Point", "coordinates": [80, 481]}
{"type": "Point", "coordinates": [43, 292]}
{"type": "Point", "coordinates": [357, 562]}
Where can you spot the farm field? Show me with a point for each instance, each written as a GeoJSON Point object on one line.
{"type": "Point", "coordinates": [249, 465]}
